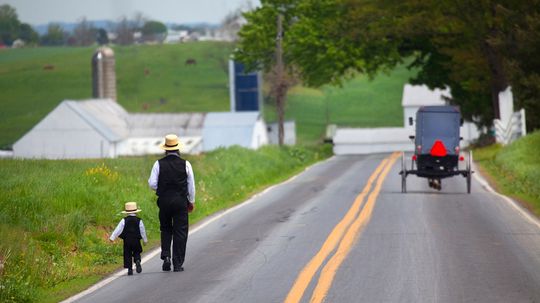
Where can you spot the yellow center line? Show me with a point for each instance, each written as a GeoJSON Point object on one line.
{"type": "Point", "coordinates": [305, 277]}
{"type": "Point", "coordinates": [330, 269]}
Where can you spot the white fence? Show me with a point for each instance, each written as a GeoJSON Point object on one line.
{"type": "Point", "coordinates": [513, 128]}
{"type": "Point", "coordinates": [350, 141]}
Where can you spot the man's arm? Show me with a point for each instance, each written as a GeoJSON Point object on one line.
{"type": "Point", "coordinates": [118, 230]}
{"type": "Point", "coordinates": [143, 231]}
{"type": "Point", "coordinates": [190, 182]}
{"type": "Point", "coordinates": [154, 174]}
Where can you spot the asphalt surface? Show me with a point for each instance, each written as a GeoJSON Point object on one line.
{"type": "Point", "coordinates": [423, 246]}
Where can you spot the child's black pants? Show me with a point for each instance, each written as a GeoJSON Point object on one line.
{"type": "Point", "coordinates": [132, 251]}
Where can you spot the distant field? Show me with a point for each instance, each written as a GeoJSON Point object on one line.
{"type": "Point", "coordinates": [28, 92]}
{"type": "Point", "coordinates": [146, 74]}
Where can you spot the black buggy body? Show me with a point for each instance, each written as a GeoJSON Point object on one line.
{"type": "Point", "coordinates": [436, 147]}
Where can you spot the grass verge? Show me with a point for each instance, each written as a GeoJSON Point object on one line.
{"type": "Point", "coordinates": [514, 170]}
{"type": "Point", "coordinates": [56, 215]}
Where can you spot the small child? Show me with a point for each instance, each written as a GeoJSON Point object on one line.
{"type": "Point", "coordinates": [131, 230]}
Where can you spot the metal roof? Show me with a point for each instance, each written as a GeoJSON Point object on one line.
{"type": "Point", "coordinates": [160, 124]}
{"type": "Point", "coordinates": [112, 121]}
{"type": "Point", "coordinates": [105, 115]}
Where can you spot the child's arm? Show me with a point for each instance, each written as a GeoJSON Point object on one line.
{"type": "Point", "coordinates": [118, 230]}
{"type": "Point", "coordinates": [143, 231]}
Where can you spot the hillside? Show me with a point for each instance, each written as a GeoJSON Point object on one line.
{"type": "Point", "coordinates": [155, 78]}
{"type": "Point", "coordinates": [145, 75]}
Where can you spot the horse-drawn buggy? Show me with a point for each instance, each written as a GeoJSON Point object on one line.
{"type": "Point", "coordinates": [437, 152]}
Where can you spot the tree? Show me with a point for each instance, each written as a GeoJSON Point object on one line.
{"type": "Point", "coordinates": [124, 32]}
{"type": "Point", "coordinates": [84, 33]}
{"type": "Point", "coordinates": [459, 44]}
{"type": "Point", "coordinates": [9, 24]}
{"type": "Point", "coordinates": [28, 34]}
{"type": "Point", "coordinates": [264, 45]}
{"type": "Point", "coordinates": [55, 35]}
{"type": "Point", "coordinates": [154, 31]}
{"type": "Point", "coordinates": [101, 37]}
{"type": "Point", "coordinates": [520, 43]}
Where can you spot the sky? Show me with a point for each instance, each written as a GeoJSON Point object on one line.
{"type": "Point", "coordinates": [37, 12]}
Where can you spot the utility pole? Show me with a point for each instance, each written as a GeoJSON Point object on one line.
{"type": "Point", "coordinates": [281, 88]}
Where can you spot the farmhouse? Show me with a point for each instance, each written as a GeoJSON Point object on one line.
{"type": "Point", "coordinates": [101, 128]}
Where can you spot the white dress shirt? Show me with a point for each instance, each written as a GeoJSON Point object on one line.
{"type": "Point", "coordinates": [120, 228]}
{"type": "Point", "coordinates": [154, 175]}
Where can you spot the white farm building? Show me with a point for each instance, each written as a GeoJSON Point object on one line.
{"type": "Point", "coordinates": [101, 128]}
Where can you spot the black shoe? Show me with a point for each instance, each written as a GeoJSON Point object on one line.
{"type": "Point", "coordinates": [166, 264]}
{"type": "Point", "coordinates": [130, 272]}
{"type": "Point", "coordinates": [138, 266]}
{"type": "Point", "coordinates": [179, 268]}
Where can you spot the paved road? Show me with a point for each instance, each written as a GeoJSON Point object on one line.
{"type": "Point", "coordinates": [423, 246]}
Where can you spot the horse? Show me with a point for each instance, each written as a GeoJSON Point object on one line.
{"type": "Point", "coordinates": [191, 61]}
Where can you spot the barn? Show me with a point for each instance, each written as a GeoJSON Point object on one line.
{"type": "Point", "coordinates": [101, 128]}
{"type": "Point", "coordinates": [87, 129]}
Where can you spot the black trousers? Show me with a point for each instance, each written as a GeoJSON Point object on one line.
{"type": "Point", "coordinates": [174, 225]}
{"type": "Point", "coordinates": [132, 251]}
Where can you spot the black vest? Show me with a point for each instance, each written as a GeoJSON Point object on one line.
{"type": "Point", "coordinates": [131, 228]}
{"type": "Point", "coordinates": [172, 179]}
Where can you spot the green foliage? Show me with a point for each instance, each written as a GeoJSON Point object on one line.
{"type": "Point", "coordinates": [467, 46]}
{"type": "Point", "coordinates": [28, 34]}
{"type": "Point", "coordinates": [55, 35]}
{"type": "Point", "coordinates": [102, 37]}
{"type": "Point", "coordinates": [523, 63]}
{"type": "Point", "coordinates": [153, 27]}
{"type": "Point", "coordinates": [9, 24]}
{"type": "Point", "coordinates": [56, 215]}
{"type": "Point", "coordinates": [515, 168]}
{"type": "Point", "coordinates": [154, 30]}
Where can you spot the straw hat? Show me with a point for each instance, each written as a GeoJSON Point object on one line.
{"type": "Point", "coordinates": [130, 208]}
{"type": "Point", "coordinates": [171, 143]}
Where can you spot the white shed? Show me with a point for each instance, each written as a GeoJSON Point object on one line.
{"type": "Point", "coordinates": [76, 129]}
{"type": "Point", "coordinates": [415, 96]}
{"type": "Point", "coordinates": [246, 129]}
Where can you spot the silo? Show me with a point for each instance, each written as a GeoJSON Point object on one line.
{"type": "Point", "coordinates": [103, 74]}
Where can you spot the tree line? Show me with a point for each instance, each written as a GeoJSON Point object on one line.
{"type": "Point", "coordinates": [476, 48]}
{"type": "Point", "coordinates": [84, 33]}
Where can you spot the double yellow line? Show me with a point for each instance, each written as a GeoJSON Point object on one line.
{"type": "Point", "coordinates": [344, 235]}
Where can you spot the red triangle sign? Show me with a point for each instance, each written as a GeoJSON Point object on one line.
{"type": "Point", "coordinates": [438, 149]}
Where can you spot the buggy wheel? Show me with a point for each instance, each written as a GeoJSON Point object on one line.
{"type": "Point", "coordinates": [469, 172]}
{"type": "Point", "coordinates": [403, 174]}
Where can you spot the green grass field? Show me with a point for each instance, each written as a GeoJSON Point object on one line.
{"type": "Point", "coordinates": [514, 169]}
{"type": "Point", "coordinates": [55, 216]}
{"type": "Point", "coordinates": [29, 93]}
{"type": "Point", "coordinates": [148, 73]}
{"type": "Point", "coordinates": [359, 103]}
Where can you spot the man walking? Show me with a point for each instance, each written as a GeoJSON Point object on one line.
{"type": "Point", "coordinates": [172, 179]}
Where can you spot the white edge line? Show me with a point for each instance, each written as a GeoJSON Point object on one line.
{"type": "Point", "coordinates": [514, 204]}
{"type": "Point", "coordinates": [201, 225]}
